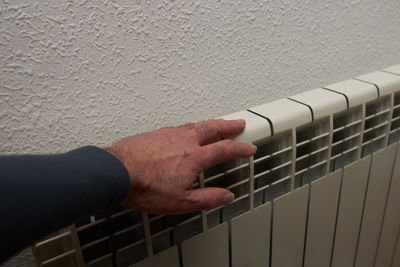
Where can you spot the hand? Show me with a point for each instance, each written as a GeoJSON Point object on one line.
{"type": "Point", "coordinates": [164, 164]}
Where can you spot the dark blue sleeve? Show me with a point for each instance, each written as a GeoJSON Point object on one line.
{"type": "Point", "coordinates": [40, 194]}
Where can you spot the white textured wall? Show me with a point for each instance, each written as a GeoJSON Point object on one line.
{"type": "Point", "coordinates": [80, 72]}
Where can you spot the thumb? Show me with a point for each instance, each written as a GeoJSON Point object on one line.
{"type": "Point", "coordinates": [209, 198]}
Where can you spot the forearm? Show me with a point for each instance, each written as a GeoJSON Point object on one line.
{"type": "Point", "coordinates": [40, 194]}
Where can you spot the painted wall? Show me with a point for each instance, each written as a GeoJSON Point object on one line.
{"type": "Point", "coordinates": [90, 72]}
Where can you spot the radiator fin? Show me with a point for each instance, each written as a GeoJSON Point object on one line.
{"type": "Point", "coordinates": [312, 144]}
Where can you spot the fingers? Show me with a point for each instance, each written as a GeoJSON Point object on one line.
{"type": "Point", "coordinates": [212, 130]}
{"type": "Point", "coordinates": [221, 151]}
{"type": "Point", "coordinates": [208, 198]}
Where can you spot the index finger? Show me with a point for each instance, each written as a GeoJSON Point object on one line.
{"type": "Point", "coordinates": [211, 131]}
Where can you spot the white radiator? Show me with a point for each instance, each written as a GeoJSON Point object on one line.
{"type": "Point", "coordinates": [322, 190]}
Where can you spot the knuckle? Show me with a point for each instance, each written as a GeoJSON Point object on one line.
{"type": "Point", "coordinates": [214, 123]}
{"type": "Point", "coordinates": [189, 126]}
{"type": "Point", "coordinates": [217, 149]}
{"type": "Point", "coordinates": [207, 129]}
{"type": "Point", "coordinates": [213, 130]}
{"type": "Point", "coordinates": [191, 203]}
{"type": "Point", "coordinates": [196, 152]}
{"type": "Point", "coordinates": [229, 146]}
{"type": "Point", "coordinates": [218, 122]}
{"type": "Point", "coordinates": [191, 154]}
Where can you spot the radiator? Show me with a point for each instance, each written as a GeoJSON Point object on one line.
{"type": "Point", "coordinates": [323, 189]}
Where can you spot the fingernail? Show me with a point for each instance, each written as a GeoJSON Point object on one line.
{"type": "Point", "coordinates": [242, 122]}
{"type": "Point", "coordinates": [228, 198]}
{"type": "Point", "coordinates": [254, 147]}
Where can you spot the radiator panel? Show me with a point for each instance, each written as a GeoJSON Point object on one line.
{"type": "Point", "coordinates": [292, 207]}
{"type": "Point", "coordinates": [387, 242]}
{"type": "Point", "coordinates": [396, 257]}
{"type": "Point", "coordinates": [377, 190]}
{"type": "Point", "coordinates": [250, 233]}
{"type": "Point", "coordinates": [166, 258]}
{"type": "Point", "coordinates": [351, 204]}
{"type": "Point", "coordinates": [324, 196]}
{"type": "Point", "coordinates": [131, 254]}
{"type": "Point", "coordinates": [288, 231]}
{"type": "Point", "coordinates": [207, 249]}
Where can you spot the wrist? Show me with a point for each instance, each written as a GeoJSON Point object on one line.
{"type": "Point", "coordinates": [116, 152]}
{"type": "Point", "coordinates": [113, 151]}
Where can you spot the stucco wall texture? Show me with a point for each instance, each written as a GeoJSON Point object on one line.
{"type": "Point", "coordinates": [83, 72]}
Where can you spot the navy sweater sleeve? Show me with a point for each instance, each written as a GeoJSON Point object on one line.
{"type": "Point", "coordinates": [40, 194]}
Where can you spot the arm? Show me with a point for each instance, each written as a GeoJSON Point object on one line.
{"type": "Point", "coordinates": [40, 194]}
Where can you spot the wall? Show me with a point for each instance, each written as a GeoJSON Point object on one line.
{"type": "Point", "coordinates": [80, 72]}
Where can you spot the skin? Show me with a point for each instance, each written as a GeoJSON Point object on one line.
{"type": "Point", "coordinates": [163, 165]}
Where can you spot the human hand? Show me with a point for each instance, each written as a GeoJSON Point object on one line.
{"type": "Point", "coordinates": [164, 164]}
